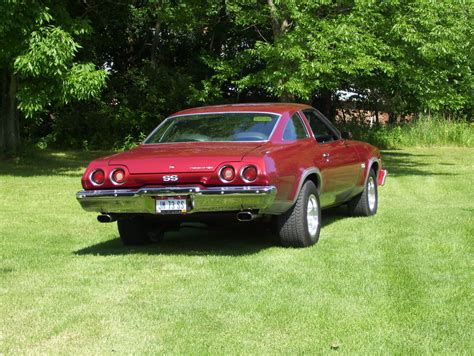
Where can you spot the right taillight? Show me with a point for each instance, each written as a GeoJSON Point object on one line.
{"type": "Point", "coordinates": [97, 177]}
{"type": "Point", "coordinates": [227, 174]}
{"type": "Point", "coordinates": [249, 173]}
{"type": "Point", "coordinates": [118, 176]}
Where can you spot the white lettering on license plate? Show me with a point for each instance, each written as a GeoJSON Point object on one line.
{"type": "Point", "coordinates": [171, 206]}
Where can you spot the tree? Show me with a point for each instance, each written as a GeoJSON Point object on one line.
{"type": "Point", "coordinates": [153, 51]}
{"type": "Point", "coordinates": [305, 48]}
{"type": "Point", "coordinates": [39, 44]}
{"type": "Point", "coordinates": [431, 51]}
{"type": "Point", "coordinates": [415, 55]}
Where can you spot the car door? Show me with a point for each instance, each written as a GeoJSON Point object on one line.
{"type": "Point", "coordinates": [337, 160]}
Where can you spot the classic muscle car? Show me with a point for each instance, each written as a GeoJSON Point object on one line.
{"type": "Point", "coordinates": [280, 163]}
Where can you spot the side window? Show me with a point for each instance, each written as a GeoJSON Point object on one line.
{"type": "Point", "coordinates": [295, 129]}
{"type": "Point", "coordinates": [322, 132]}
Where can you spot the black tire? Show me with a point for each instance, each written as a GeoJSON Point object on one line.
{"type": "Point", "coordinates": [134, 231]}
{"type": "Point", "coordinates": [292, 226]}
{"type": "Point", "coordinates": [360, 205]}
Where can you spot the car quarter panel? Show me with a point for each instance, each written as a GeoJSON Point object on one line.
{"type": "Point", "coordinates": [370, 156]}
{"type": "Point", "coordinates": [285, 165]}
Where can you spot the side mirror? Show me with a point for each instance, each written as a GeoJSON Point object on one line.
{"type": "Point", "coordinates": [346, 135]}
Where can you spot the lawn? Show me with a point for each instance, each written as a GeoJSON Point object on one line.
{"type": "Point", "coordinates": [399, 282]}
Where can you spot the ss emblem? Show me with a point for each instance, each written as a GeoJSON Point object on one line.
{"type": "Point", "coordinates": [172, 178]}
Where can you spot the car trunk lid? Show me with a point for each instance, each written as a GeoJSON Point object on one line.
{"type": "Point", "coordinates": [182, 157]}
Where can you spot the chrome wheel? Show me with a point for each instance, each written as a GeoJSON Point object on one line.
{"type": "Point", "coordinates": [312, 215]}
{"type": "Point", "coordinates": [371, 193]}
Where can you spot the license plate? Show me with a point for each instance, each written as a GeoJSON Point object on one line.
{"type": "Point", "coordinates": [171, 206]}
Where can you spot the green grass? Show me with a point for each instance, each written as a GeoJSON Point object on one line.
{"type": "Point", "coordinates": [422, 132]}
{"type": "Point", "coordinates": [399, 282]}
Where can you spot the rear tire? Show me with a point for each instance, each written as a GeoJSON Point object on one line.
{"type": "Point", "coordinates": [134, 231]}
{"type": "Point", "coordinates": [301, 225]}
{"type": "Point", "coordinates": [366, 203]}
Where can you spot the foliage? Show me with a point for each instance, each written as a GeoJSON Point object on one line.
{"type": "Point", "coordinates": [42, 53]}
{"type": "Point", "coordinates": [399, 282]}
{"type": "Point", "coordinates": [413, 55]}
{"type": "Point", "coordinates": [421, 132]}
{"type": "Point", "coordinates": [38, 63]}
{"type": "Point", "coordinates": [160, 56]}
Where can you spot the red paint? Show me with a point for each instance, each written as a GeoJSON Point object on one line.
{"type": "Point", "coordinates": [342, 164]}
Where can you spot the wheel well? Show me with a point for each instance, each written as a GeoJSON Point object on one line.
{"type": "Point", "coordinates": [313, 177]}
{"type": "Point", "coordinates": [375, 167]}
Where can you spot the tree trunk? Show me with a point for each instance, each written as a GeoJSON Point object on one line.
{"type": "Point", "coordinates": [279, 26]}
{"type": "Point", "coordinates": [392, 117]}
{"type": "Point", "coordinates": [286, 97]}
{"type": "Point", "coordinates": [9, 123]}
{"type": "Point", "coordinates": [323, 101]}
{"type": "Point", "coordinates": [154, 43]}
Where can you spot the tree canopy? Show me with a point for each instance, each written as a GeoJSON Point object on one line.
{"type": "Point", "coordinates": [94, 72]}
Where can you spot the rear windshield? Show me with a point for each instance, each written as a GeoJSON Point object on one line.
{"type": "Point", "coordinates": [215, 127]}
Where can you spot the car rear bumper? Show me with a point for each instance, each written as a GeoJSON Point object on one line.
{"type": "Point", "coordinates": [201, 199]}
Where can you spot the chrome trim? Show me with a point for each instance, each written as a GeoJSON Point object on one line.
{"type": "Point", "coordinates": [242, 171]}
{"type": "Point", "coordinates": [92, 181]}
{"type": "Point", "coordinates": [325, 121]}
{"type": "Point", "coordinates": [217, 112]}
{"type": "Point", "coordinates": [203, 199]}
{"type": "Point", "coordinates": [281, 204]}
{"type": "Point", "coordinates": [372, 193]}
{"type": "Point", "coordinates": [302, 123]}
{"type": "Point", "coordinates": [227, 112]}
{"type": "Point", "coordinates": [369, 167]}
{"type": "Point", "coordinates": [240, 216]}
{"type": "Point", "coordinates": [222, 179]}
{"type": "Point", "coordinates": [153, 131]}
{"type": "Point", "coordinates": [312, 215]}
{"type": "Point", "coordinates": [305, 174]}
{"type": "Point", "coordinates": [114, 182]}
{"type": "Point", "coordinates": [105, 218]}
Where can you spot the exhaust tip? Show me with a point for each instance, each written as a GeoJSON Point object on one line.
{"type": "Point", "coordinates": [245, 216]}
{"type": "Point", "coordinates": [105, 218]}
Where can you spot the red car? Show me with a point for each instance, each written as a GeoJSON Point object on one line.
{"type": "Point", "coordinates": [281, 163]}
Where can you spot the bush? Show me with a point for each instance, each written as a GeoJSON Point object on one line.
{"type": "Point", "coordinates": [422, 131]}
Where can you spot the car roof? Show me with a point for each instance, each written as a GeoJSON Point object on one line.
{"type": "Point", "coordinates": [277, 108]}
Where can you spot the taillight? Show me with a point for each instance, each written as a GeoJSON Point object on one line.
{"type": "Point", "coordinates": [97, 177]}
{"type": "Point", "coordinates": [249, 174]}
{"type": "Point", "coordinates": [227, 173]}
{"type": "Point", "coordinates": [118, 176]}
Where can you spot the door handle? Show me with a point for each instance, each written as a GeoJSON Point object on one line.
{"type": "Point", "coordinates": [325, 155]}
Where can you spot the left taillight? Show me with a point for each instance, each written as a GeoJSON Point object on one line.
{"type": "Point", "coordinates": [97, 177]}
{"type": "Point", "coordinates": [118, 176]}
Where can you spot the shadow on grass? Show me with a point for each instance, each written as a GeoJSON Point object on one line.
{"type": "Point", "coordinates": [409, 164]}
{"type": "Point", "coordinates": [239, 240]}
{"type": "Point", "coordinates": [190, 242]}
{"type": "Point", "coordinates": [47, 163]}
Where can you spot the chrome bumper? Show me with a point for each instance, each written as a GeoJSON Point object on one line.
{"type": "Point", "coordinates": [202, 199]}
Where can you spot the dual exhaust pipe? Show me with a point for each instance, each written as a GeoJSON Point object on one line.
{"type": "Point", "coordinates": [245, 216]}
{"type": "Point", "coordinates": [106, 218]}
